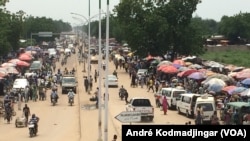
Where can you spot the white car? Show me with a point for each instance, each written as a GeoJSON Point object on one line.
{"type": "Point", "coordinates": [20, 83]}
{"type": "Point", "coordinates": [67, 50]}
{"type": "Point", "coordinates": [112, 81]}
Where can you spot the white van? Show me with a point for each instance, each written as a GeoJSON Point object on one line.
{"type": "Point", "coordinates": [207, 104]}
{"type": "Point", "coordinates": [171, 94]}
{"type": "Point", "coordinates": [20, 83]}
{"type": "Point", "coordinates": [186, 103]}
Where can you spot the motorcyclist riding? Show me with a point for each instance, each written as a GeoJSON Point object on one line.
{"type": "Point", "coordinates": [54, 87]}
{"type": "Point", "coordinates": [35, 120]}
{"type": "Point", "coordinates": [122, 91]}
{"type": "Point", "coordinates": [71, 94]}
{"type": "Point", "coordinates": [53, 95]}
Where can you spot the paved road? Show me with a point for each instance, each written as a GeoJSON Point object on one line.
{"type": "Point", "coordinates": [75, 123]}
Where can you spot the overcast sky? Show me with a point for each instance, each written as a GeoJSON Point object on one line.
{"type": "Point", "coordinates": [61, 9]}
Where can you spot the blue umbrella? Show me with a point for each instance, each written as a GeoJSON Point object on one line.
{"type": "Point", "coordinates": [177, 65]}
{"type": "Point", "coordinates": [237, 90]}
{"type": "Point", "coordinates": [197, 75]}
{"type": "Point", "coordinates": [245, 93]}
{"type": "Point", "coordinates": [215, 87]}
{"type": "Point", "coordinates": [246, 81]}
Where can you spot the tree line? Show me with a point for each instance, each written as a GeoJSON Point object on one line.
{"type": "Point", "coordinates": [148, 26]}
{"type": "Point", "coordinates": [155, 27]}
{"type": "Point", "coordinates": [16, 26]}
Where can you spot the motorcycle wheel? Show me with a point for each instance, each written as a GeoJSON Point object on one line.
{"type": "Point", "coordinates": [71, 103]}
{"type": "Point", "coordinates": [31, 132]}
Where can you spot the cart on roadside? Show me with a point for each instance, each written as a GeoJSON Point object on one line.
{"type": "Point", "coordinates": [21, 122]}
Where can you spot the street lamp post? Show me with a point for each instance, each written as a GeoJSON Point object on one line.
{"type": "Point", "coordinates": [89, 21]}
{"type": "Point", "coordinates": [82, 49]}
{"type": "Point", "coordinates": [107, 72]}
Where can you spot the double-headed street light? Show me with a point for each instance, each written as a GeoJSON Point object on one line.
{"type": "Point", "coordinates": [88, 20]}
{"type": "Point", "coordinates": [82, 49]}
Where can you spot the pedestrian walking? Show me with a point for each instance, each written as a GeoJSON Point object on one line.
{"type": "Point", "coordinates": [86, 84]}
{"type": "Point", "coordinates": [26, 112]}
{"type": "Point", "coordinates": [151, 85]}
{"type": "Point", "coordinates": [90, 83]}
{"type": "Point", "coordinates": [114, 138]}
{"type": "Point", "coordinates": [164, 105]}
{"type": "Point", "coordinates": [95, 76]}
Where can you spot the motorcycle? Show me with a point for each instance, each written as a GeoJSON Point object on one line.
{"type": "Point", "coordinates": [8, 116]}
{"type": "Point", "coordinates": [53, 100]}
{"type": "Point", "coordinates": [122, 93]}
{"type": "Point", "coordinates": [32, 129]}
{"type": "Point", "coordinates": [71, 100]}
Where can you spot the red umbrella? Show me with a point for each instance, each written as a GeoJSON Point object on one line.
{"type": "Point", "coordinates": [179, 62]}
{"type": "Point", "coordinates": [242, 75]}
{"type": "Point", "coordinates": [25, 57]}
{"type": "Point", "coordinates": [186, 72]}
{"type": "Point", "coordinates": [228, 88]}
{"type": "Point", "coordinates": [169, 69]}
{"type": "Point", "coordinates": [161, 67]}
{"type": "Point", "coordinates": [22, 64]}
{"type": "Point", "coordinates": [149, 57]}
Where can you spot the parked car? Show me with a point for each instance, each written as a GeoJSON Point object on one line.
{"type": "Point", "coordinates": [112, 81]}
{"type": "Point", "coordinates": [171, 95]}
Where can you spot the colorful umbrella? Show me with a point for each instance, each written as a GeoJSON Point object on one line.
{"type": "Point", "coordinates": [179, 62]}
{"type": "Point", "coordinates": [242, 75]}
{"type": "Point", "coordinates": [25, 57]}
{"type": "Point", "coordinates": [12, 70]}
{"type": "Point", "coordinates": [238, 90]}
{"type": "Point", "coordinates": [245, 81]}
{"type": "Point", "coordinates": [177, 65]}
{"type": "Point", "coordinates": [8, 64]}
{"type": "Point", "coordinates": [164, 63]}
{"type": "Point", "coordinates": [214, 81]}
{"type": "Point", "coordinates": [186, 73]}
{"type": "Point", "coordinates": [246, 70]}
{"type": "Point", "coordinates": [161, 67]}
{"type": "Point", "coordinates": [181, 69]}
{"type": "Point", "coordinates": [197, 76]}
{"type": "Point", "coordinates": [222, 77]}
{"type": "Point", "coordinates": [229, 89]}
{"type": "Point", "coordinates": [22, 64]}
{"type": "Point", "coordinates": [245, 93]}
{"type": "Point", "coordinates": [3, 72]}
{"type": "Point", "coordinates": [14, 61]}
{"type": "Point", "coordinates": [195, 66]}
{"type": "Point", "coordinates": [215, 87]}
{"type": "Point", "coordinates": [169, 69]}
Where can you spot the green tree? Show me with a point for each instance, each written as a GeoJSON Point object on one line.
{"type": "Point", "coordinates": [155, 28]}
{"type": "Point", "coordinates": [235, 28]}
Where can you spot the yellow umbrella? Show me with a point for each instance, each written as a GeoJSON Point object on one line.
{"type": "Point", "coordinates": [130, 54]}
{"type": "Point", "coordinates": [188, 63]}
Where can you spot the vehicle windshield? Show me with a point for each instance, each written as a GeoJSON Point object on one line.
{"type": "Point", "coordinates": [68, 80]}
{"type": "Point", "coordinates": [177, 93]}
{"type": "Point", "coordinates": [206, 106]}
{"type": "Point", "coordinates": [141, 102]}
{"type": "Point", "coordinates": [35, 65]}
